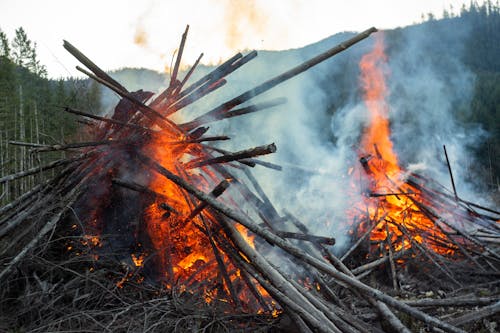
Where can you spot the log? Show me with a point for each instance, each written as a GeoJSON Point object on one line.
{"type": "Point", "coordinates": [305, 237]}
{"type": "Point", "coordinates": [251, 162]}
{"type": "Point", "coordinates": [252, 152]}
{"type": "Point", "coordinates": [453, 302]}
{"type": "Point", "coordinates": [216, 192]}
{"type": "Point", "coordinates": [199, 140]}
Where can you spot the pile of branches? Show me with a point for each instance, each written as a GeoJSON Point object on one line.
{"type": "Point", "coordinates": [51, 283]}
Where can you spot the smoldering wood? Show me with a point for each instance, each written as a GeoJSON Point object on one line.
{"type": "Point", "coordinates": [251, 162]}
{"type": "Point", "coordinates": [143, 189]}
{"type": "Point", "coordinates": [362, 238]}
{"type": "Point", "coordinates": [216, 192]}
{"type": "Point", "coordinates": [252, 152]}
{"type": "Point", "coordinates": [199, 140]}
{"type": "Point", "coordinates": [220, 262]}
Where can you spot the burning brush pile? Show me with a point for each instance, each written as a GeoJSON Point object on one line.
{"type": "Point", "coordinates": [148, 226]}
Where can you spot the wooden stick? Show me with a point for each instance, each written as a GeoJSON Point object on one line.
{"type": "Point", "coordinates": [107, 120]}
{"type": "Point", "coordinates": [43, 232]}
{"type": "Point", "coordinates": [216, 192]}
{"type": "Point", "coordinates": [208, 118]}
{"type": "Point", "coordinates": [451, 174]}
{"type": "Point", "coordinates": [391, 258]}
{"type": "Point", "coordinates": [90, 65]}
{"type": "Point", "coordinates": [146, 110]}
{"type": "Point", "coordinates": [252, 152]}
{"type": "Point", "coordinates": [75, 145]}
{"type": "Point", "coordinates": [454, 302]}
{"type": "Point", "coordinates": [306, 237]}
{"type": "Point", "coordinates": [251, 162]}
{"type": "Point", "coordinates": [173, 79]}
{"type": "Point", "coordinates": [195, 96]}
{"type": "Point", "coordinates": [222, 265]}
{"type": "Point", "coordinates": [35, 170]}
{"type": "Point", "coordinates": [188, 75]}
{"type": "Point", "coordinates": [199, 140]}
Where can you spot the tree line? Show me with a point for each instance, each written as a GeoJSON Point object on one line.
{"type": "Point", "coordinates": [31, 110]}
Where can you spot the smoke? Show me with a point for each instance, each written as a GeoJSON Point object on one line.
{"type": "Point", "coordinates": [318, 131]}
{"type": "Point", "coordinates": [241, 19]}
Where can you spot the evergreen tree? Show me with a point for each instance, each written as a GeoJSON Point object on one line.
{"type": "Point", "coordinates": [4, 45]}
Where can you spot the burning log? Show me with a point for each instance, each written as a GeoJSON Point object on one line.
{"type": "Point", "coordinates": [243, 154]}
{"type": "Point", "coordinates": [216, 192]}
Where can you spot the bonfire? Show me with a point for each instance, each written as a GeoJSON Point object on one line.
{"type": "Point", "coordinates": [148, 226]}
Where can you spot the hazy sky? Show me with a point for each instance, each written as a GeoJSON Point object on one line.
{"type": "Point", "coordinates": [124, 33]}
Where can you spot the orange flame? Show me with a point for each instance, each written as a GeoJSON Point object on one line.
{"type": "Point", "coordinates": [394, 214]}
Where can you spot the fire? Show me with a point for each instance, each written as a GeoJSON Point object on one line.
{"type": "Point", "coordinates": [391, 202]}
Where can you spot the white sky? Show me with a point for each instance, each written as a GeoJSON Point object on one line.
{"type": "Point", "coordinates": [107, 30]}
